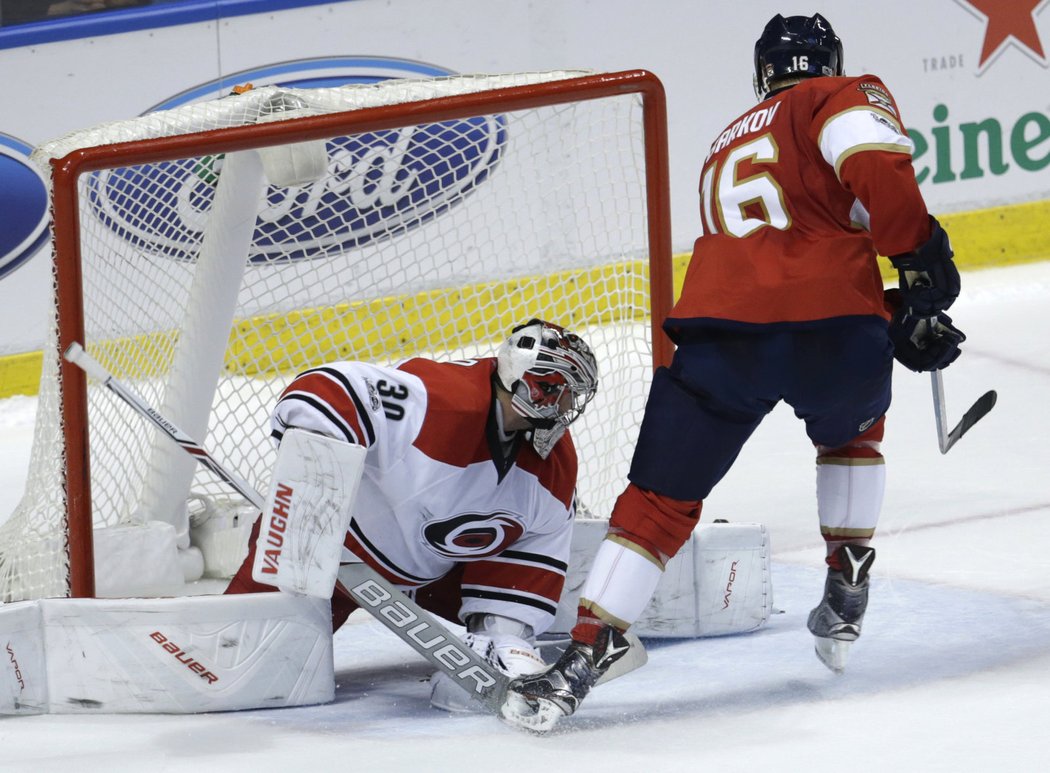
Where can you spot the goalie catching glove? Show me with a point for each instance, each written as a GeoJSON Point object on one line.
{"type": "Point", "coordinates": [504, 644]}
{"type": "Point", "coordinates": [538, 701]}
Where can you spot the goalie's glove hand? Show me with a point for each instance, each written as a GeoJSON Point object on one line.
{"type": "Point", "coordinates": [929, 279]}
{"type": "Point", "coordinates": [538, 701]}
{"type": "Point", "coordinates": [924, 343]}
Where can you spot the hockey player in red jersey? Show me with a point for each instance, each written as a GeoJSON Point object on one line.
{"type": "Point", "coordinates": [782, 300]}
{"type": "Point", "coordinates": [466, 499]}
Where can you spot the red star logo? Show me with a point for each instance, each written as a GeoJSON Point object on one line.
{"type": "Point", "coordinates": [1009, 21]}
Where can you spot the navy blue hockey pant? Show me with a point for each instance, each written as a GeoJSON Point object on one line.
{"type": "Point", "coordinates": [722, 383]}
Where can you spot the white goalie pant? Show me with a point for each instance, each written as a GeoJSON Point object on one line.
{"type": "Point", "coordinates": [717, 584]}
{"type": "Point", "coordinates": [165, 656]}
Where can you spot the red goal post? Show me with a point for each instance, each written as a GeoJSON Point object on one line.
{"type": "Point", "coordinates": [74, 202]}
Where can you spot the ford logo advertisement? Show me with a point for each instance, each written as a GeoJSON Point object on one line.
{"type": "Point", "coordinates": [378, 185]}
{"type": "Point", "coordinates": [23, 205]}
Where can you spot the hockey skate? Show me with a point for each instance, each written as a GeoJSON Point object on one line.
{"type": "Point", "coordinates": [836, 621]}
{"type": "Point", "coordinates": [537, 702]}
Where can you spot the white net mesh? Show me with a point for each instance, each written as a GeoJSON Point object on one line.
{"type": "Point", "coordinates": [432, 238]}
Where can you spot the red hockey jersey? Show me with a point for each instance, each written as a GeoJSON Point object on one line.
{"type": "Point", "coordinates": [797, 195]}
{"type": "Point", "coordinates": [437, 490]}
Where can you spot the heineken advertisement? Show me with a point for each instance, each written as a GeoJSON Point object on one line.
{"type": "Point", "coordinates": [991, 146]}
{"type": "Point", "coordinates": [974, 97]}
{"type": "Point", "coordinates": [971, 78]}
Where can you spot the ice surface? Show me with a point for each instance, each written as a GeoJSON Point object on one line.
{"type": "Point", "coordinates": [952, 672]}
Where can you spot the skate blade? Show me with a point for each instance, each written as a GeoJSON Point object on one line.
{"type": "Point", "coordinates": [832, 653]}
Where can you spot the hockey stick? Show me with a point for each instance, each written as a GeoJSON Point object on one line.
{"type": "Point", "coordinates": [410, 622]}
{"type": "Point", "coordinates": [406, 619]}
{"type": "Point", "coordinates": [76, 355]}
{"type": "Point", "coordinates": [976, 412]}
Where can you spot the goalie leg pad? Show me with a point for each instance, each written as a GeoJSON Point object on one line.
{"type": "Point", "coordinates": [717, 584]}
{"type": "Point", "coordinates": [23, 685]}
{"type": "Point", "coordinates": [166, 656]}
{"type": "Point", "coordinates": [307, 512]}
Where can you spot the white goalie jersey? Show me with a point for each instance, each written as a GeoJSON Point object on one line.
{"type": "Point", "coordinates": [439, 487]}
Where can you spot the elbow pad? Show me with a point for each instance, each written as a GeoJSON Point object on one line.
{"type": "Point", "coordinates": [929, 279]}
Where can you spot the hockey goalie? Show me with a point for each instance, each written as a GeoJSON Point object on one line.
{"type": "Point", "coordinates": [464, 498]}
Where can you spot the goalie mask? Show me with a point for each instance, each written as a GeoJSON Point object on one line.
{"type": "Point", "coordinates": [795, 47]}
{"type": "Point", "coordinates": [551, 375]}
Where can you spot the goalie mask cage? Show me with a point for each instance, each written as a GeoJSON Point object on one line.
{"type": "Point", "coordinates": [447, 211]}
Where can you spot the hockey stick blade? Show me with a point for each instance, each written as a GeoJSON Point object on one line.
{"type": "Point", "coordinates": [977, 411]}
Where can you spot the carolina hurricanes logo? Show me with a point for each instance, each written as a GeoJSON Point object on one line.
{"type": "Point", "coordinates": [472, 535]}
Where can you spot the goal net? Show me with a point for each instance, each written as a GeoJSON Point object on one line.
{"type": "Point", "coordinates": [206, 254]}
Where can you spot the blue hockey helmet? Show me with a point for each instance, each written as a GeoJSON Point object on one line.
{"type": "Point", "coordinates": [795, 47]}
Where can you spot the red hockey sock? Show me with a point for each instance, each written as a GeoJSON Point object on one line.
{"type": "Point", "coordinates": [587, 627]}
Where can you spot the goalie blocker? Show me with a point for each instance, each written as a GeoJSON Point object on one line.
{"type": "Point", "coordinates": [307, 513]}
{"type": "Point", "coordinates": [717, 584]}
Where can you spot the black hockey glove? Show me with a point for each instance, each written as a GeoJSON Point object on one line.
{"type": "Point", "coordinates": [929, 280]}
{"type": "Point", "coordinates": [924, 343]}
{"type": "Point", "coordinates": [536, 702]}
